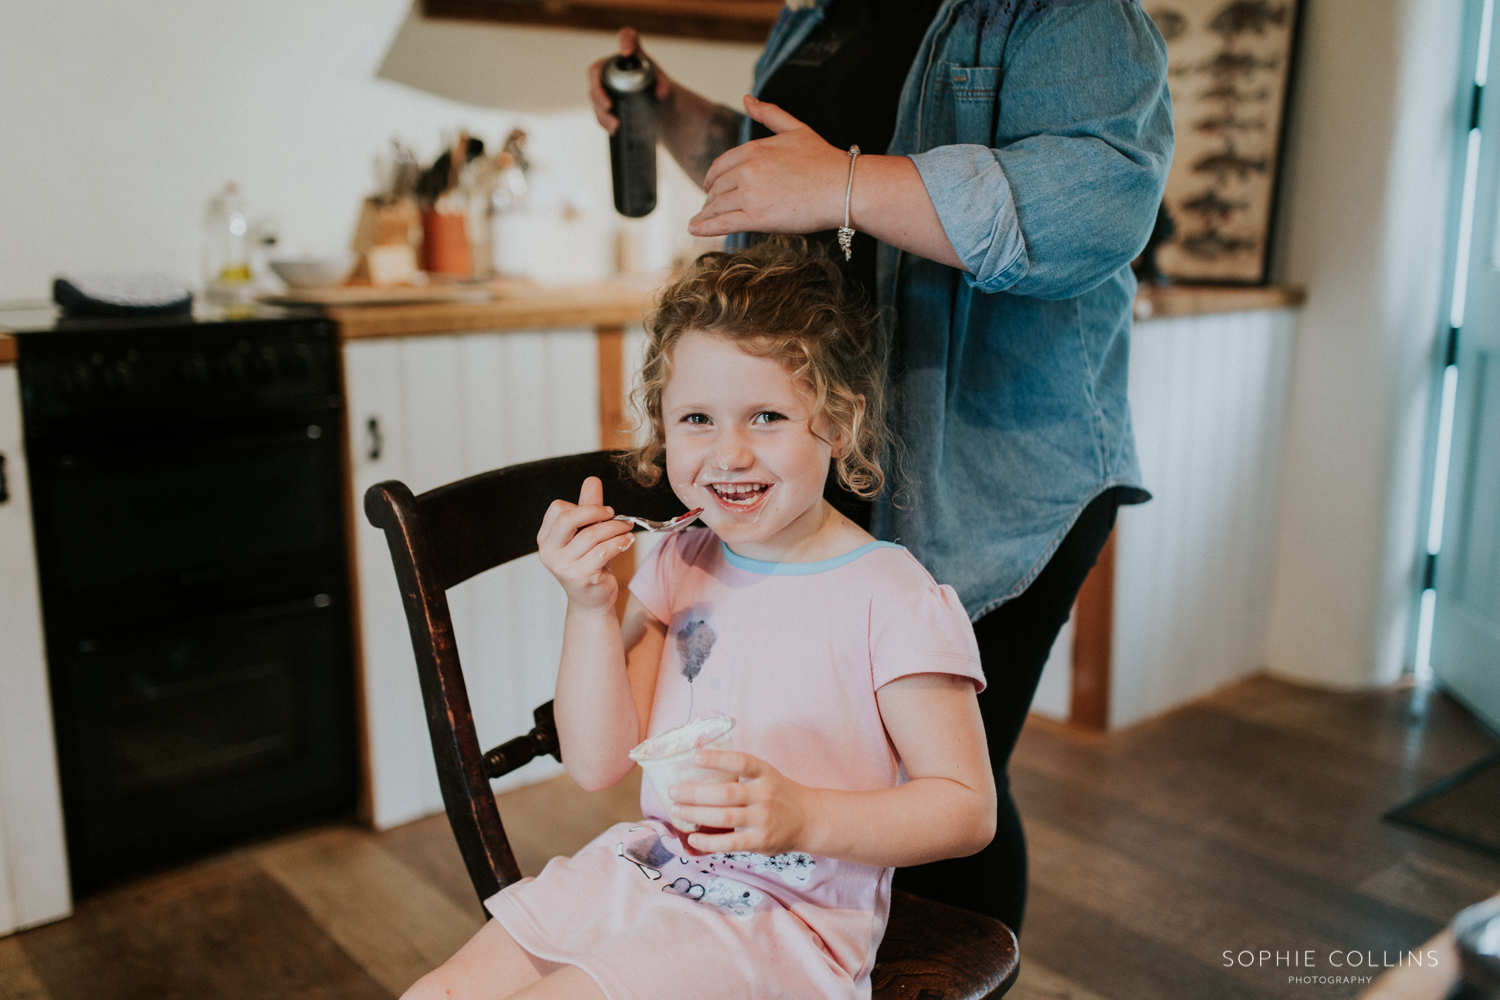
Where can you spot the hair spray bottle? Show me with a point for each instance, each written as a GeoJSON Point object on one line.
{"type": "Point", "coordinates": [630, 82]}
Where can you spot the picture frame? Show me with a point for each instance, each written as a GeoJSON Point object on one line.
{"type": "Point", "coordinates": [714, 20]}
{"type": "Point", "coordinates": [1230, 70]}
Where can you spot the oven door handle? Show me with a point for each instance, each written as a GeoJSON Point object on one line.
{"type": "Point", "coordinates": [377, 440]}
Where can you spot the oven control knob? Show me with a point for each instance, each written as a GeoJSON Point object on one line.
{"type": "Point", "coordinates": [117, 378]}
{"type": "Point", "coordinates": [263, 365]}
{"type": "Point", "coordinates": [83, 379]}
{"type": "Point", "coordinates": [193, 370]}
{"type": "Point", "coordinates": [294, 363]}
{"type": "Point", "coordinates": [232, 370]}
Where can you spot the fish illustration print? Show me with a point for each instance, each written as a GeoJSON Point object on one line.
{"type": "Point", "coordinates": [1229, 162]}
{"type": "Point", "coordinates": [1245, 16]}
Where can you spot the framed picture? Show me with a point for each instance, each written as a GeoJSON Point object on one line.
{"type": "Point", "coordinates": [1229, 67]}
{"type": "Point", "coordinates": [719, 20]}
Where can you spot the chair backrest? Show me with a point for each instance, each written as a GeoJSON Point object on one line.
{"type": "Point", "coordinates": [442, 538]}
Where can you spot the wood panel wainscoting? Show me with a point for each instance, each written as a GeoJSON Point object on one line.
{"type": "Point", "coordinates": [1178, 602]}
{"type": "Point", "coordinates": [614, 432]}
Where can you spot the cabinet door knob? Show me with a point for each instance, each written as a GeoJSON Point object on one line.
{"type": "Point", "coordinates": [376, 441]}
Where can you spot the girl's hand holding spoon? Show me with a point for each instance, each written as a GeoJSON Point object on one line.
{"type": "Point", "coordinates": [577, 542]}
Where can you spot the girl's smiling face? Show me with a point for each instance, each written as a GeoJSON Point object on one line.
{"type": "Point", "coordinates": [740, 442]}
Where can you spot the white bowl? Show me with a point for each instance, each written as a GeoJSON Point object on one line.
{"type": "Point", "coordinates": [313, 272]}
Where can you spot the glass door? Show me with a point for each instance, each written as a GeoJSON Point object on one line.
{"type": "Point", "coordinates": [1463, 605]}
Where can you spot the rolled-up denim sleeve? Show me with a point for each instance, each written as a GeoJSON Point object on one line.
{"type": "Point", "coordinates": [972, 196]}
{"type": "Point", "coordinates": [1083, 142]}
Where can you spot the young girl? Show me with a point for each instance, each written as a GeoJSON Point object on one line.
{"type": "Point", "coordinates": [851, 676]}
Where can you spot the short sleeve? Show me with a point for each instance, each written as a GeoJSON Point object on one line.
{"type": "Point", "coordinates": [653, 578]}
{"type": "Point", "coordinates": [925, 631]}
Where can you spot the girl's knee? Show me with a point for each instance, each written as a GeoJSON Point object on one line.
{"type": "Point", "coordinates": [491, 966]}
{"type": "Point", "coordinates": [436, 985]}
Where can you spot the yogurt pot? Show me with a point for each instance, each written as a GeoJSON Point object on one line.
{"type": "Point", "coordinates": [667, 758]}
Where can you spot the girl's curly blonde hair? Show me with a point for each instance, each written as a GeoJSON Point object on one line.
{"type": "Point", "coordinates": [779, 300]}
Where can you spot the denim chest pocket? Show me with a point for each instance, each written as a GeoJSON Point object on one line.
{"type": "Point", "coordinates": [975, 99]}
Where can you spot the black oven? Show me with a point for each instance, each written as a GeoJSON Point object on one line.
{"type": "Point", "coordinates": [188, 504]}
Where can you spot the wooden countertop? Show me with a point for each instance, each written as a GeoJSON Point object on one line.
{"type": "Point", "coordinates": [597, 304]}
{"type": "Point", "coordinates": [623, 302]}
{"type": "Point", "coordinates": [1161, 302]}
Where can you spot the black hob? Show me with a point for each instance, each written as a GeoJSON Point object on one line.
{"type": "Point", "coordinates": [188, 503]}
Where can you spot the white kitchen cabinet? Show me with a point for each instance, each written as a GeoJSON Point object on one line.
{"type": "Point", "coordinates": [428, 410]}
{"type": "Point", "coordinates": [1192, 586]}
{"type": "Point", "coordinates": [33, 857]}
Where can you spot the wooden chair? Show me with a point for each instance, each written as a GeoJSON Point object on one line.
{"type": "Point", "coordinates": [449, 534]}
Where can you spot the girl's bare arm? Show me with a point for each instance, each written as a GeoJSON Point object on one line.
{"type": "Point", "coordinates": [607, 675]}
{"type": "Point", "coordinates": [945, 810]}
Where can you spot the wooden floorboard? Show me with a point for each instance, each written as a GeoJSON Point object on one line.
{"type": "Point", "coordinates": [385, 915]}
{"type": "Point", "coordinates": [427, 846]}
{"type": "Point", "coordinates": [1249, 820]}
{"type": "Point", "coordinates": [18, 980]}
{"type": "Point", "coordinates": [1116, 962]}
{"type": "Point", "coordinates": [1278, 796]}
{"type": "Point", "coordinates": [1037, 982]}
{"type": "Point", "coordinates": [1417, 730]}
{"type": "Point", "coordinates": [1301, 902]}
{"type": "Point", "coordinates": [227, 930]}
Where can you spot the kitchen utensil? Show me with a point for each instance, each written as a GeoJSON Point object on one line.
{"type": "Point", "coordinates": [630, 82]}
{"type": "Point", "coordinates": [313, 272]}
{"type": "Point", "coordinates": [676, 524]}
{"type": "Point", "coordinates": [446, 244]}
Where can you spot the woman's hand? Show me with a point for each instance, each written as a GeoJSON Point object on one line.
{"type": "Point", "coordinates": [577, 542]}
{"type": "Point", "coordinates": [630, 44]}
{"type": "Point", "coordinates": [768, 812]}
{"type": "Point", "coordinates": [791, 182]}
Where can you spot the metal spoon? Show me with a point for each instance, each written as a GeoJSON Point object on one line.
{"type": "Point", "coordinates": [676, 524]}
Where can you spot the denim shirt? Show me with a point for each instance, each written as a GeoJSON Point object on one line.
{"type": "Point", "coordinates": [1042, 130]}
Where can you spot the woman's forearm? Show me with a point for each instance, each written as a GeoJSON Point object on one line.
{"type": "Point", "coordinates": [596, 717]}
{"type": "Point", "coordinates": [695, 130]}
{"type": "Point", "coordinates": [794, 182]}
{"type": "Point", "coordinates": [888, 201]}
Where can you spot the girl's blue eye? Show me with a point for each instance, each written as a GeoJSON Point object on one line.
{"type": "Point", "coordinates": [695, 418]}
{"type": "Point", "coordinates": [767, 417]}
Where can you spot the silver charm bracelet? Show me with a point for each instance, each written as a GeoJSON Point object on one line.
{"type": "Point", "coordinates": [846, 235]}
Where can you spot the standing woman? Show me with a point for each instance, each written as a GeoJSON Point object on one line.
{"type": "Point", "coordinates": [1026, 145]}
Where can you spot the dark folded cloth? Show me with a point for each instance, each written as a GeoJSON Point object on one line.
{"type": "Point", "coordinates": [122, 295]}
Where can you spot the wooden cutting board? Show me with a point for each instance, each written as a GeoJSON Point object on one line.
{"type": "Point", "coordinates": [371, 295]}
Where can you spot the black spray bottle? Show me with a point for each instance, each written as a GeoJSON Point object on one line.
{"type": "Point", "coordinates": [630, 82]}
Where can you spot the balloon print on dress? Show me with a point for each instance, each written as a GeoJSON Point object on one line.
{"type": "Point", "coordinates": [695, 640]}
{"type": "Point", "coordinates": [646, 851]}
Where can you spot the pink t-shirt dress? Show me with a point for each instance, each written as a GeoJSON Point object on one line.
{"type": "Point", "coordinates": [795, 652]}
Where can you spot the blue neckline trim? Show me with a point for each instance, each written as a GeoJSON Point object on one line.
{"type": "Point", "coordinates": [801, 569]}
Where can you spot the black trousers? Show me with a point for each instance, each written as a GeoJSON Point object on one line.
{"type": "Point", "coordinates": [1014, 641]}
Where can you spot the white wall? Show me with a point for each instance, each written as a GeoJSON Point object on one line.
{"type": "Point", "coordinates": [1365, 213]}
{"type": "Point", "coordinates": [120, 119]}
